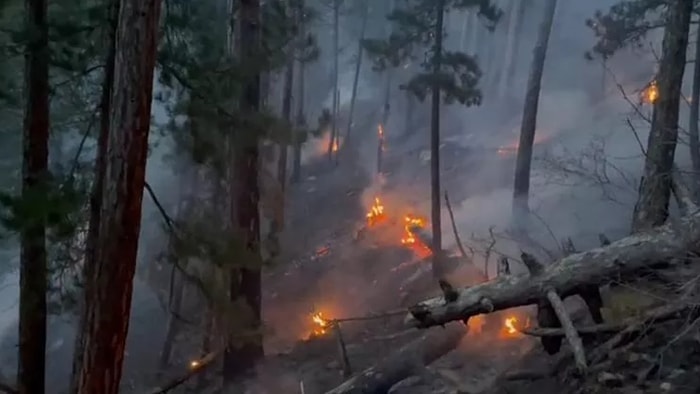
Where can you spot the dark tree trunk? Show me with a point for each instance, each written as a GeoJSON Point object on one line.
{"type": "Point", "coordinates": [110, 284]}
{"type": "Point", "coordinates": [655, 190]}
{"type": "Point", "coordinates": [693, 121]}
{"type": "Point", "coordinates": [358, 67]}
{"type": "Point", "coordinates": [246, 281]}
{"type": "Point", "coordinates": [301, 121]}
{"type": "Point", "coordinates": [435, 211]}
{"type": "Point", "coordinates": [287, 115]}
{"type": "Point", "coordinates": [409, 127]}
{"type": "Point", "coordinates": [515, 32]}
{"type": "Point", "coordinates": [96, 192]}
{"type": "Point", "coordinates": [336, 48]}
{"type": "Point", "coordinates": [521, 185]}
{"type": "Point", "coordinates": [33, 275]}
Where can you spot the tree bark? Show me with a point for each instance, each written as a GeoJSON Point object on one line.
{"type": "Point", "coordinates": [301, 121]}
{"type": "Point", "coordinates": [246, 278]}
{"type": "Point", "coordinates": [521, 185]}
{"type": "Point", "coordinates": [655, 189]}
{"type": "Point", "coordinates": [407, 361]}
{"type": "Point", "coordinates": [89, 260]}
{"type": "Point", "coordinates": [358, 67]}
{"type": "Point", "coordinates": [435, 212]}
{"type": "Point", "coordinates": [515, 31]}
{"type": "Point", "coordinates": [108, 295]}
{"type": "Point", "coordinates": [336, 49]}
{"type": "Point", "coordinates": [287, 116]}
{"type": "Point", "coordinates": [661, 247]}
{"type": "Point", "coordinates": [694, 138]}
{"type": "Point", "coordinates": [33, 274]}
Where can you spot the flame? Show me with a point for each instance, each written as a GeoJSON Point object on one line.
{"type": "Point", "coordinates": [335, 145]}
{"type": "Point", "coordinates": [411, 221]}
{"type": "Point", "coordinates": [409, 239]}
{"type": "Point", "coordinates": [321, 324]}
{"type": "Point", "coordinates": [651, 94]}
{"type": "Point", "coordinates": [509, 328]}
{"type": "Point", "coordinates": [194, 364]}
{"type": "Point", "coordinates": [376, 213]}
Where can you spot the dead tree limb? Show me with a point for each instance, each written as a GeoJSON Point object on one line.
{"type": "Point", "coordinates": [407, 361]}
{"type": "Point", "coordinates": [569, 330]}
{"type": "Point", "coordinates": [660, 247]}
{"type": "Point", "coordinates": [193, 369]}
{"type": "Point", "coordinates": [458, 239]}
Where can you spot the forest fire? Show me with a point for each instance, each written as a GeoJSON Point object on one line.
{"type": "Point", "coordinates": [320, 324]}
{"type": "Point", "coordinates": [376, 213]}
{"type": "Point", "coordinates": [651, 93]}
{"type": "Point", "coordinates": [409, 238]}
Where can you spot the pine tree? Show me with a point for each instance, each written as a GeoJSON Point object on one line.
{"type": "Point", "coordinates": [450, 76]}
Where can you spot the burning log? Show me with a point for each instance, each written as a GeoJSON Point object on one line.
{"type": "Point", "coordinates": [407, 361]}
{"type": "Point", "coordinates": [662, 247]}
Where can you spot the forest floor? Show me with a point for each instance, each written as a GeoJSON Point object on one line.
{"type": "Point", "coordinates": [335, 265]}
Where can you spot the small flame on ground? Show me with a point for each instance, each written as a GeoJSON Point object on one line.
{"type": "Point", "coordinates": [376, 212]}
{"type": "Point", "coordinates": [335, 145]}
{"type": "Point", "coordinates": [509, 327]}
{"type": "Point", "coordinates": [651, 94]}
{"type": "Point", "coordinates": [411, 221]}
{"type": "Point", "coordinates": [194, 364]}
{"type": "Point", "coordinates": [321, 324]}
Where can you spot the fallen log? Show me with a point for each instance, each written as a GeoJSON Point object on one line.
{"type": "Point", "coordinates": [405, 362]}
{"type": "Point", "coordinates": [660, 247]}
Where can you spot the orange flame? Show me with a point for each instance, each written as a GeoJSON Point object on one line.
{"type": "Point", "coordinates": [335, 146]}
{"type": "Point", "coordinates": [476, 324]}
{"type": "Point", "coordinates": [651, 94]}
{"type": "Point", "coordinates": [510, 329]}
{"type": "Point", "coordinates": [411, 221]}
{"type": "Point", "coordinates": [376, 213]}
{"type": "Point", "coordinates": [321, 324]}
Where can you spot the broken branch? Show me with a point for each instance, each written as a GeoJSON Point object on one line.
{"type": "Point", "coordinates": [569, 330]}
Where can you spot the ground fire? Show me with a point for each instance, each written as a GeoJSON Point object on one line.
{"type": "Point", "coordinates": [376, 213]}
{"type": "Point", "coordinates": [320, 324]}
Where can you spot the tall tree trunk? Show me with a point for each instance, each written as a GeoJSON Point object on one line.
{"type": "Point", "coordinates": [358, 67]}
{"type": "Point", "coordinates": [287, 115]}
{"type": "Point", "coordinates": [108, 295]}
{"type": "Point", "coordinates": [246, 280]}
{"type": "Point", "coordinates": [693, 120]}
{"type": "Point", "coordinates": [301, 123]}
{"type": "Point", "coordinates": [435, 211]}
{"type": "Point", "coordinates": [300, 118]}
{"type": "Point", "coordinates": [655, 190]}
{"type": "Point", "coordinates": [521, 185]}
{"type": "Point", "coordinates": [409, 127]}
{"type": "Point", "coordinates": [89, 260]}
{"type": "Point", "coordinates": [336, 48]}
{"type": "Point", "coordinates": [515, 31]}
{"type": "Point", "coordinates": [35, 173]}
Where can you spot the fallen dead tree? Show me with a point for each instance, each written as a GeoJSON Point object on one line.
{"type": "Point", "coordinates": [405, 362]}
{"type": "Point", "coordinates": [658, 248]}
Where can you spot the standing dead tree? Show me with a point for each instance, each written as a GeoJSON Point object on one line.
{"type": "Point", "coordinates": [655, 189]}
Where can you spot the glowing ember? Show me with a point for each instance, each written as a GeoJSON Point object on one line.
{"type": "Point", "coordinates": [410, 222]}
{"type": "Point", "coordinates": [651, 94]}
{"type": "Point", "coordinates": [321, 324]}
{"type": "Point", "coordinates": [476, 324]}
{"type": "Point", "coordinates": [335, 145]}
{"type": "Point", "coordinates": [194, 364]}
{"type": "Point", "coordinates": [509, 327]}
{"type": "Point", "coordinates": [376, 213]}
